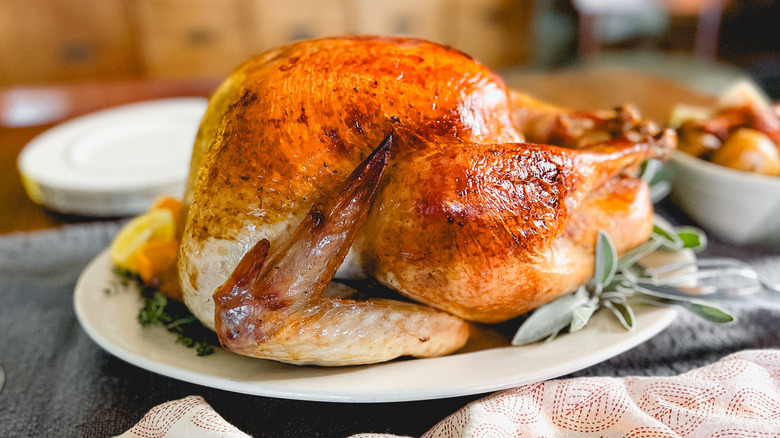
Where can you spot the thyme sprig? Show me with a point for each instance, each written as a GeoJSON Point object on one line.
{"type": "Point", "coordinates": [616, 284]}
{"type": "Point", "coordinates": [157, 309]}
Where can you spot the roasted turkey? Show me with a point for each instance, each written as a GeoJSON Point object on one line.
{"type": "Point", "coordinates": [405, 162]}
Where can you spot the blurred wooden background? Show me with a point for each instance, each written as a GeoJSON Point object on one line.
{"type": "Point", "coordinates": [61, 41]}
{"type": "Point", "coordinates": [50, 42]}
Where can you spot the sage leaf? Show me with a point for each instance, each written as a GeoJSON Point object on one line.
{"type": "Point", "coordinates": [606, 259]}
{"type": "Point", "coordinates": [667, 234]}
{"type": "Point", "coordinates": [692, 238]}
{"type": "Point", "coordinates": [549, 319]}
{"type": "Point", "coordinates": [705, 311]}
{"type": "Point", "coordinates": [615, 280]}
{"type": "Point", "coordinates": [580, 317]}
{"type": "Point", "coordinates": [710, 313]}
{"type": "Point", "coordinates": [659, 190]}
{"type": "Point", "coordinates": [617, 294]}
{"type": "Point", "coordinates": [632, 256]}
{"type": "Point", "coordinates": [649, 170]}
{"type": "Point", "coordinates": [622, 311]}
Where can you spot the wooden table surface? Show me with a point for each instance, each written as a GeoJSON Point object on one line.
{"type": "Point", "coordinates": [583, 89]}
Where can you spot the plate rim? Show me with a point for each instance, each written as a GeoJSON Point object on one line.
{"type": "Point", "coordinates": [81, 124]}
{"type": "Point", "coordinates": [663, 316]}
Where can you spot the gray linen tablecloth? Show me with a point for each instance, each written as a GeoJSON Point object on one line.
{"type": "Point", "coordinates": [60, 383]}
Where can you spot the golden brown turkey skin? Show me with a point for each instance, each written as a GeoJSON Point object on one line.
{"type": "Point", "coordinates": [467, 218]}
{"type": "Point", "coordinates": [293, 122]}
{"type": "Point", "coordinates": [494, 230]}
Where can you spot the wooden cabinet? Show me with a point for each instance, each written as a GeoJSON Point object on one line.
{"type": "Point", "coordinates": [273, 23]}
{"type": "Point", "coordinates": [65, 41]}
{"type": "Point", "coordinates": [495, 32]}
{"type": "Point", "coordinates": [180, 38]}
{"type": "Point", "coordinates": [62, 40]}
{"type": "Point", "coordinates": [425, 19]}
{"type": "Point", "coordinates": [9, 36]}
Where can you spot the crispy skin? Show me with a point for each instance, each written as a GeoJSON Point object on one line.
{"type": "Point", "coordinates": [467, 218]}
{"type": "Point", "coordinates": [300, 118]}
{"type": "Point", "coordinates": [293, 122]}
{"type": "Point", "coordinates": [492, 231]}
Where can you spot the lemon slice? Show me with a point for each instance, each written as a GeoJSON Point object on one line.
{"type": "Point", "coordinates": [156, 224]}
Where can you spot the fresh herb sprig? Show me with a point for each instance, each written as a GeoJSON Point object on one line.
{"type": "Point", "coordinates": [617, 282]}
{"type": "Point", "coordinates": [174, 316]}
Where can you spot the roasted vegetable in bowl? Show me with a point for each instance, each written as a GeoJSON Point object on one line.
{"type": "Point", "coordinates": [742, 132]}
{"type": "Point", "coordinates": [725, 173]}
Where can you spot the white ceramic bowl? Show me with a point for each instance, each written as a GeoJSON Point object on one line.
{"type": "Point", "coordinates": [737, 207]}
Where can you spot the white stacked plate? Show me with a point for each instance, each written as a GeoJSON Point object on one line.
{"type": "Point", "coordinates": [115, 162]}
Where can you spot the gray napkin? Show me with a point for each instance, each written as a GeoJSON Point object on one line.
{"type": "Point", "coordinates": [53, 257]}
{"type": "Point", "coordinates": [60, 383]}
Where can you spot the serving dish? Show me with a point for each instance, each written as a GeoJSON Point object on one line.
{"type": "Point", "coordinates": [107, 311]}
{"type": "Point", "coordinates": [739, 207]}
{"type": "Point", "coordinates": [114, 162]}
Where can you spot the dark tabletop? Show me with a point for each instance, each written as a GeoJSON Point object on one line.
{"type": "Point", "coordinates": [60, 383]}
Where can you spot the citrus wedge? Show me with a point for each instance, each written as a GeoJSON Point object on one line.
{"type": "Point", "coordinates": [154, 257]}
{"type": "Point", "coordinates": [154, 225]}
